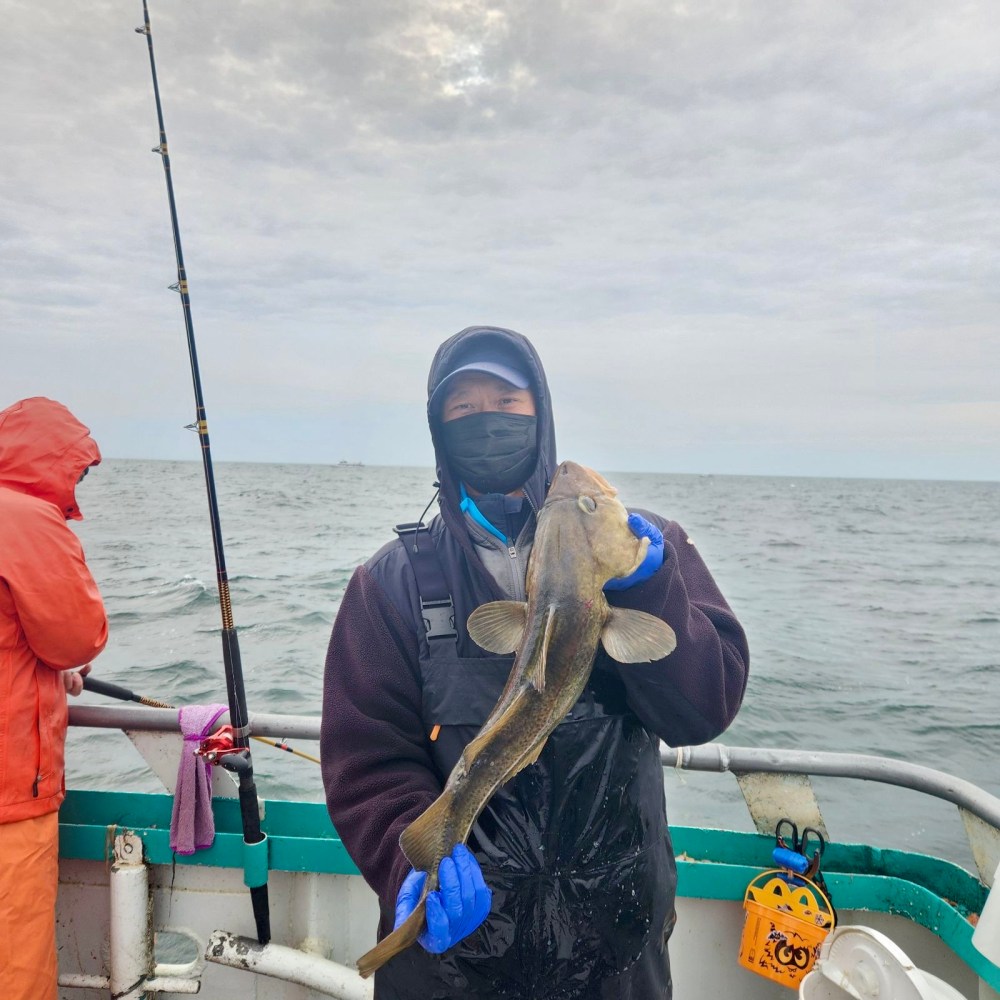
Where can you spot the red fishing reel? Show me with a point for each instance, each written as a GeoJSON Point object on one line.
{"type": "Point", "coordinates": [220, 743]}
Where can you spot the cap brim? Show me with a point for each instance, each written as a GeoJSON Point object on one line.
{"type": "Point", "coordinates": [516, 378]}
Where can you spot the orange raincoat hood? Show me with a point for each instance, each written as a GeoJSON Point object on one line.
{"type": "Point", "coordinates": [44, 450]}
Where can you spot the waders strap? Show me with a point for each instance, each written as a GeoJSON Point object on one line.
{"type": "Point", "coordinates": [436, 606]}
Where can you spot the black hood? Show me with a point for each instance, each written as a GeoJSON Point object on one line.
{"type": "Point", "coordinates": [459, 350]}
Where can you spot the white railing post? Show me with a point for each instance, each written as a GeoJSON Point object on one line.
{"type": "Point", "coordinates": [131, 941]}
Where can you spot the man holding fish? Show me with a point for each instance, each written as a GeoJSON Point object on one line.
{"type": "Point", "coordinates": [509, 811]}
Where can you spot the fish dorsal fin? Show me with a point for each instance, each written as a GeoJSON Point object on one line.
{"type": "Point", "coordinates": [499, 626]}
{"type": "Point", "coordinates": [631, 636]}
{"type": "Point", "coordinates": [536, 672]}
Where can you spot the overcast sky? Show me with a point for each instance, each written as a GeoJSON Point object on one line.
{"type": "Point", "coordinates": [746, 237]}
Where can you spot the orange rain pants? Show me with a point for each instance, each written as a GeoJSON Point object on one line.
{"type": "Point", "coordinates": [29, 881]}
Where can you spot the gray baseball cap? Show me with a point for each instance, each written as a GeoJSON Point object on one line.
{"type": "Point", "coordinates": [515, 376]}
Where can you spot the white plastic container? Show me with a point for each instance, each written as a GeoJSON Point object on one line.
{"type": "Point", "coordinates": [863, 964]}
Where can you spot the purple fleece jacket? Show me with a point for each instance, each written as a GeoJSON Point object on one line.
{"type": "Point", "coordinates": [377, 767]}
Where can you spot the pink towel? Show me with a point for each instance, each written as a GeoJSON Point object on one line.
{"type": "Point", "coordinates": [192, 825]}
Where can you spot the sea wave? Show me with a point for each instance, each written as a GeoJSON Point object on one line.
{"type": "Point", "coordinates": [869, 605]}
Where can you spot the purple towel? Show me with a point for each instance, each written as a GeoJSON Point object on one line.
{"type": "Point", "coordinates": [192, 825]}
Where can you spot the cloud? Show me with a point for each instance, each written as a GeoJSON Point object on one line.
{"type": "Point", "coordinates": [753, 222]}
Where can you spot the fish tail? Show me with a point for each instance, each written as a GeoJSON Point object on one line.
{"type": "Point", "coordinates": [399, 940]}
{"type": "Point", "coordinates": [424, 842]}
{"type": "Point", "coordinates": [428, 838]}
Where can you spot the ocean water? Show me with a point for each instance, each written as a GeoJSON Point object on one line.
{"type": "Point", "coordinates": [871, 608]}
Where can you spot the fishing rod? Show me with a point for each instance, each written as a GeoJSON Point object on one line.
{"type": "Point", "coordinates": [110, 690]}
{"type": "Point", "coordinates": [239, 761]}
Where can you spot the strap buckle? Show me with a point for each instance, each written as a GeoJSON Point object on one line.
{"type": "Point", "coordinates": [409, 533]}
{"type": "Point", "coordinates": [409, 528]}
{"type": "Point", "coordinates": [439, 618]}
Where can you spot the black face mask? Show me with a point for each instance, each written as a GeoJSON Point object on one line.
{"type": "Point", "coordinates": [491, 452]}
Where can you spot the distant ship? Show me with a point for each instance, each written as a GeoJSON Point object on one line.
{"type": "Point", "coordinates": [351, 465]}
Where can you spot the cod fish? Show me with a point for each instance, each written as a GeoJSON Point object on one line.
{"type": "Point", "coordinates": [582, 540]}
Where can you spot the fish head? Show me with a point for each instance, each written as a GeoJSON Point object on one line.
{"type": "Point", "coordinates": [590, 517]}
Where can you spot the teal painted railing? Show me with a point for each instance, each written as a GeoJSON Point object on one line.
{"type": "Point", "coordinates": [711, 864]}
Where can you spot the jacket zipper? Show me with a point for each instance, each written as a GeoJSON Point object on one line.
{"type": "Point", "coordinates": [493, 539]}
{"type": "Point", "coordinates": [38, 723]}
{"type": "Point", "coordinates": [516, 574]}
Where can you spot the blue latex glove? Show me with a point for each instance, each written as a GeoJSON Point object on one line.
{"type": "Point", "coordinates": [456, 908]}
{"type": "Point", "coordinates": [641, 528]}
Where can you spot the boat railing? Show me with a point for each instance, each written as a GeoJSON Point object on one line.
{"type": "Point", "coordinates": [774, 781]}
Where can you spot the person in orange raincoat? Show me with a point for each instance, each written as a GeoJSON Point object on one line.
{"type": "Point", "coordinates": [52, 620]}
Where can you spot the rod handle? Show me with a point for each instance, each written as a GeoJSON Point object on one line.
{"type": "Point", "coordinates": [109, 690]}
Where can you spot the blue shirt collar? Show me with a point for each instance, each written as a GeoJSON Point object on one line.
{"type": "Point", "coordinates": [469, 507]}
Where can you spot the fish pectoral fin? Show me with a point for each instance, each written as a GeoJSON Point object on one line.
{"type": "Point", "coordinates": [631, 636]}
{"type": "Point", "coordinates": [499, 626]}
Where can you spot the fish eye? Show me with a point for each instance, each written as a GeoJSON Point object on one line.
{"type": "Point", "coordinates": [586, 503]}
